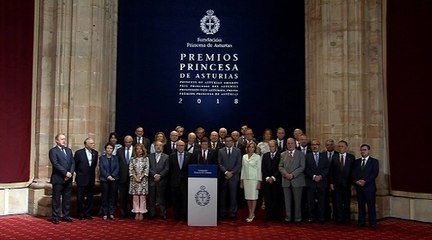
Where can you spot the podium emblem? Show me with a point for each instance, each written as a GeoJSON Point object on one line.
{"type": "Point", "coordinates": [210, 23]}
{"type": "Point", "coordinates": [202, 197]}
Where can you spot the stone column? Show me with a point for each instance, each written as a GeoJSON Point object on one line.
{"type": "Point", "coordinates": [345, 85]}
{"type": "Point", "coordinates": [76, 75]}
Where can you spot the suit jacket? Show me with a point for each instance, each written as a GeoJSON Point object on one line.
{"type": "Point", "coordinates": [308, 149]}
{"type": "Point", "coordinates": [284, 146]}
{"type": "Point", "coordinates": [312, 169]}
{"type": "Point", "coordinates": [161, 168]}
{"type": "Point", "coordinates": [342, 177]}
{"type": "Point", "coordinates": [123, 165]}
{"type": "Point", "coordinates": [295, 166]}
{"type": "Point", "coordinates": [230, 163]}
{"type": "Point", "coordinates": [211, 157]}
{"type": "Point", "coordinates": [369, 174]}
{"type": "Point", "coordinates": [179, 177]}
{"type": "Point", "coordinates": [195, 146]}
{"type": "Point", "coordinates": [270, 167]}
{"type": "Point", "coordinates": [105, 170]}
{"type": "Point", "coordinates": [85, 173]}
{"type": "Point", "coordinates": [325, 155]}
{"type": "Point", "coordinates": [145, 141]}
{"type": "Point", "coordinates": [167, 148]}
{"type": "Point", "coordinates": [240, 145]}
{"type": "Point", "coordinates": [61, 164]}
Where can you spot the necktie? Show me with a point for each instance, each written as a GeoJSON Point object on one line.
{"type": "Point", "coordinates": [304, 151]}
{"type": "Point", "coordinates": [316, 159]}
{"type": "Point", "coordinates": [229, 151]}
{"type": "Point", "coordinates": [139, 140]}
{"type": "Point", "coordinates": [204, 156]}
{"type": "Point", "coordinates": [363, 163]}
{"type": "Point", "coordinates": [213, 145]}
{"type": "Point", "coordinates": [127, 155]}
{"type": "Point", "coordinates": [272, 155]}
{"type": "Point", "coordinates": [173, 146]}
{"type": "Point", "coordinates": [64, 151]}
{"type": "Point", "coordinates": [290, 157]}
{"type": "Point", "coordinates": [341, 161]}
{"type": "Point", "coordinates": [157, 157]}
{"type": "Point", "coordinates": [280, 144]}
{"type": "Point", "coordinates": [329, 155]}
{"type": "Point", "coordinates": [181, 160]}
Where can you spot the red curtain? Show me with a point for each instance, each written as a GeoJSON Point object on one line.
{"type": "Point", "coordinates": [16, 56]}
{"type": "Point", "coordinates": [409, 53]}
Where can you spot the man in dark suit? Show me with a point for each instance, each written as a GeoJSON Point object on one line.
{"type": "Point", "coordinates": [341, 181]}
{"type": "Point", "coordinates": [215, 144]}
{"type": "Point", "coordinates": [204, 155]}
{"type": "Point", "coordinates": [229, 159]}
{"type": "Point", "coordinates": [317, 168]}
{"type": "Point", "coordinates": [223, 132]}
{"type": "Point", "coordinates": [63, 166]}
{"type": "Point", "coordinates": [178, 165]}
{"type": "Point", "coordinates": [191, 145]}
{"type": "Point", "coordinates": [158, 180]}
{"type": "Point", "coordinates": [124, 155]}
{"type": "Point", "coordinates": [304, 145]}
{"type": "Point", "coordinates": [281, 142]}
{"type": "Point", "coordinates": [365, 171]}
{"type": "Point", "coordinates": [139, 138]}
{"type": "Point", "coordinates": [200, 133]}
{"type": "Point", "coordinates": [271, 182]}
{"type": "Point", "coordinates": [85, 168]}
{"type": "Point", "coordinates": [238, 142]}
{"type": "Point", "coordinates": [170, 146]}
{"type": "Point", "coordinates": [328, 155]}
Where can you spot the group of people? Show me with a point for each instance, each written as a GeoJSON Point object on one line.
{"type": "Point", "coordinates": [313, 184]}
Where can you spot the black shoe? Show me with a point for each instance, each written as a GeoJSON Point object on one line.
{"type": "Point", "coordinates": [361, 224]}
{"type": "Point", "coordinates": [55, 221]}
{"type": "Point", "coordinates": [233, 217]}
{"type": "Point", "coordinates": [67, 219]}
{"type": "Point", "coordinates": [311, 220]}
{"type": "Point", "coordinates": [373, 227]}
{"type": "Point", "coordinates": [81, 218]}
{"type": "Point", "coordinates": [88, 217]}
{"type": "Point", "coordinates": [164, 218]}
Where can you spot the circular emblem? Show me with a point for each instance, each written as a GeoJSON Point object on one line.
{"type": "Point", "coordinates": [210, 23]}
{"type": "Point", "coordinates": [202, 197]}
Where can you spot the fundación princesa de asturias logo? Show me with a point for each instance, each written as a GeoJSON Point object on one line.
{"type": "Point", "coordinates": [210, 23]}
{"type": "Point", "coordinates": [202, 197]}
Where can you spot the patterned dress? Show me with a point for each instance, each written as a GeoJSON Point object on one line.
{"type": "Point", "coordinates": [139, 166]}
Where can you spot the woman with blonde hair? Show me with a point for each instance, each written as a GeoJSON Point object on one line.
{"type": "Point", "coordinates": [250, 178]}
{"type": "Point", "coordinates": [138, 172]}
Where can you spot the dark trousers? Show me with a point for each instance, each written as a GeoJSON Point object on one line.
{"type": "Point", "coordinates": [272, 196]}
{"type": "Point", "coordinates": [343, 203]}
{"type": "Point", "coordinates": [109, 190]}
{"type": "Point", "coordinates": [179, 199]}
{"type": "Point", "coordinates": [125, 209]}
{"type": "Point", "coordinates": [316, 202]}
{"type": "Point", "coordinates": [157, 194]}
{"type": "Point", "coordinates": [231, 186]}
{"type": "Point", "coordinates": [62, 190]}
{"type": "Point", "coordinates": [85, 200]}
{"type": "Point", "coordinates": [366, 198]}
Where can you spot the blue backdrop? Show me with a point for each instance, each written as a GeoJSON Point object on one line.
{"type": "Point", "coordinates": [264, 39]}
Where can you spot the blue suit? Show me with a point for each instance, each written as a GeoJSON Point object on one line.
{"type": "Point", "coordinates": [61, 164]}
{"type": "Point", "coordinates": [108, 167]}
{"type": "Point", "coordinates": [366, 195]}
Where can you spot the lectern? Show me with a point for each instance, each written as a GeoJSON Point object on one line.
{"type": "Point", "coordinates": [202, 195]}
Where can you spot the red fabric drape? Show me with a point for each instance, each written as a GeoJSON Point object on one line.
{"type": "Point", "coordinates": [16, 57]}
{"type": "Point", "coordinates": [409, 53]}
